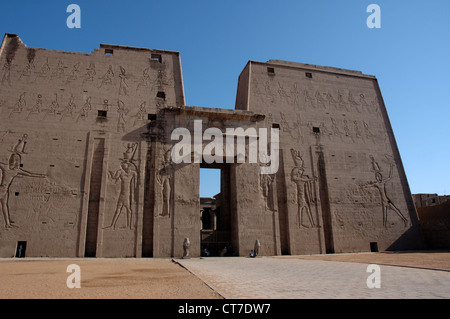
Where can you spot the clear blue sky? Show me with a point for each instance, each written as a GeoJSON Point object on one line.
{"type": "Point", "coordinates": [410, 54]}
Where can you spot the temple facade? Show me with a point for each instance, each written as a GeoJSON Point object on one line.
{"type": "Point", "coordinates": [100, 157]}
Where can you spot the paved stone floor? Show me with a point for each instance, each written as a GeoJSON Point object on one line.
{"type": "Point", "coordinates": [272, 277]}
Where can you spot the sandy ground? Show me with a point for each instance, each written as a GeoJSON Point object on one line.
{"type": "Point", "coordinates": [100, 278]}
{"type": "Point", "coordinates": [153, 278]}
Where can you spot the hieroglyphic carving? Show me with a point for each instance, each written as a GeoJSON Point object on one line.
{"type": "Point", "coordinates": [90, 73]}
{"type": "Point", "coordinates": [165, 180]}
{"type": "Point", "coordinates": [308, 99]}
{"type": "Point", "coordinates": [320, 99]}
{"type": "Point", "coordinates": [368, 133]}
{"type": "Point", "coordinates": [141, 114]}
{"type": "Point", "coordinates": [268, 93]}
{"type": "Point", "coordinates": [304, 183]}
{"type": "Point", "coordinates": [145, 79]}
{"type": "Point", "coordinates": [20, 105]}
{"type": "Point", "coordinates": [59, 70]}
{"type": "Point", "coordinates": [267, 188]}
{"type": "Point", "coordinates": [28, 69]}
{"type": "Point", "coordinates": [357, 130]}
{"type": "Point", "coordinates": [335, 128]}
{"type": "Point", "coordinates": [36, 109]}
{"type": "Point", "coordinates": [108, 77]}
{"type": "Point", "coordinates": [121, 111]}
{"type": "Point", "coordinates": [352, 102]}
{"type": "Point", "coordinates": [347, 131]}
{"type": "Point", "coordinates": [45, 70]}
{"type": "Point", "coordinates": [295, 94]}
{"type": "Point", "coordinates": [68, 111]}
{"type": "Point", "coordinates": [53, 107]}
{"type": "Point", "coordinates": [282, 93]}
{"type": "Point", "coordinates": [105, 105]}
{"type": "Point", "coordinates": [73, 75]}
{"type": "Point", "coordinates": [8, 172]}
{"type": "Point", "coordinates": [294, 130]}
{"type": "Point", "coordinates": [123, 84]}
{"type": "Point", "coordinates": [380, 184]}
{"type": "Point", "coordinates": [6, 72]}
{"type": "Point", "coordinates": [84, 112]}
{"type": "Point", "coordinates": [127, 175]}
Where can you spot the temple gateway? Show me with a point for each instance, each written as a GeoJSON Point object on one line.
{"type": "Point", "coordinates": [91, 163]}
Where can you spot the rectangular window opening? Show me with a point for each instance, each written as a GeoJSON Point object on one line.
{"type": "Point", "coordinates": [271, 71]}
{"type": "Point", "coordinates": [102, 113]}
{"type": "Point", "coordinates": [316, 129]}
{"type": "Point", "coordinates": [276, 125]}
{"type": "Point", "coordinates": [156, 57]}
{"type": "Point", "coordinates": [308, 75]}
{"type": "Point", "coordinates": [109, 52]}
{"type": "Point", "coordinates": [151, 117]}
{"type": "Point", "coordinates": [161, 95]}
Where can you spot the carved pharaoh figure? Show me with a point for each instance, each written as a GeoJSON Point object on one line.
{"type": "Point", "coordinates": [304, 190]}
{"type": "Point", "coordinates": [164, 179]}
{"type": "Point", "coordinates": [127, 175]}
{"type": "Point", "coordinates": [267, 187]}
{"type": "Point", "coordinates": [386, 202]}
{"type": "Point", "coordinates": [7, 174]}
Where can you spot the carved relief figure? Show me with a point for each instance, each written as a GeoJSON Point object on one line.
{"type": "Point", "coordinates": [108, 77]}
{"type": "Point", "coordinates": [84, 112]}
{"type": "Point", "coordinates": [320, 100]}
{"type": "Point", "coordinates": [90, 73]}
{"type": "Point", "coordinates": [335, 128]}
{"type": "Point", "coordinates": [26, 72]}
{"type": "Point", "coordinates": [282, 93]}
{"type": "Point", "coordinates": [267, 187]}
{"type": "Point", "coordinates": [6, 72]}
{"type": "Point", "coordinates": [164, 179]}
{"type": "Point", "coordinates": [53, 107]}
{"type": "Point", "coordinates": [294, 130]}
{"type": "Point", "coordinates": [140, 115]}
{"type": "Point", "coordinates": [123, 84]}
{"type": "Point", "coordinates": [353, 102]}
{"type": "Point", "coordinates": [304, 190]}
{"type": "Point", "coordinates": [295, 94]}
{"type": "Point", "coordinates": [19, 106]}
{"type": "Point", "coordinates": [73, 75]}
{"type": "Point", "coordinates": [347, 131]}
{"type": "Point", "coordinates": [127, 175]}
{"type": "Point", "coordinates": [19, 147]}
{"type": "Point", "coordinates": [122, 111]}
{"type": "Point", "coordinates": [71, 106]}
{"type": "Point", "coordinates": [145, 79]}
{"type": "Point", "coordinates": [269, 94]}
{"type": "Point", "coordinates": [105, 106]}
{"type": "Point", "coordinates": [380, 184]}
{"type": "Point", "coordinates": [45, 70]}
{"type": "Point", "coordinates": [36, 109]}
{"type": "Point", "coordinates": [59, 71]}
{"type": "Point", "coordinates": [308, 99]}
{"type": "Point", "coordinates": [7, 174]}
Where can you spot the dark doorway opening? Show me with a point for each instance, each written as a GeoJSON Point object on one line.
{"type": "Point", "coordinates": [21, 248]}
{"type": "Point", "coordinates": [374, 247]}
{"type": "Point", "coordinates": [215, 214]}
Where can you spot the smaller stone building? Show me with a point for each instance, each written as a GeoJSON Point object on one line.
{"type": "Point", "coordinates": [434, 216]}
